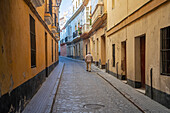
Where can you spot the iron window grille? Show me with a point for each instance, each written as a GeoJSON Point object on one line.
{"type": "Point", "coordinates": [165, 51]}
{"type": "Point", "coordinates": [50, 7]}
{"type": "Point", "coordinates": [33, 42]}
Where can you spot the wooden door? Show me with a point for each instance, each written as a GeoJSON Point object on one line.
{"type": "Point", "coordinates": [142, 54]}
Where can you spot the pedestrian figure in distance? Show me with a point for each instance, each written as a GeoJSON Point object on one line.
{"type": "Point", "coordinates": [88, 60]}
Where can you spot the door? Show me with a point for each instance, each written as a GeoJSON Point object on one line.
{"type": "Point", "coordinates": [103, 51]}
{"type": "Point", "coordinates": [142, 54]}
{"type": "Point", "coordinates": [123, 60]}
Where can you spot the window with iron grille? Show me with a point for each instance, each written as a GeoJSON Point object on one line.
{"type": "Point", "coordinates": [165, 51]}
{"type": "Point", "coordinates": [113, 54]}
{"type": "Point", "coordinates": [52, 49]}
{"type": "Point", "coordinates": [50, 7]}
{"type": "Point", "coordinates": [55, 20]}
{"type": "Point", "coordinates": [33, 42]}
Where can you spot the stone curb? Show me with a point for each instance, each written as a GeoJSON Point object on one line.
{"type": "Point", "coordinates": [142, 102]}
{"type": "Point", "coordinates": [44, 99]}
{"type": "Point", "coordinates": [56, 87]}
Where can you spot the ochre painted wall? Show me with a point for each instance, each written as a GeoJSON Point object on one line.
{"type": "Point", "coordinates": [15, 55]}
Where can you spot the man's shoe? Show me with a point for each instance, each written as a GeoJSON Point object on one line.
{"type": "Point", "coordinates": [86, 70]}
{"type": "Point", "coordinates": [90, 71]}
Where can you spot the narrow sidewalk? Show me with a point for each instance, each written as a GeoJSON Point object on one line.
{"type": "Point", "coordinates": [42, 101]}
{"type": "Point", "coordinates": [140, 100]}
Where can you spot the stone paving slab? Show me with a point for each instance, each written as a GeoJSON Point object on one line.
{"type": "Point", "coordinates": [42, 101]}
{"type": "Point", "coordinates": [145, 103]}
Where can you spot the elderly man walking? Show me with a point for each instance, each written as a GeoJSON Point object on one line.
{"type": "Point", "coordinates": [88, 60]}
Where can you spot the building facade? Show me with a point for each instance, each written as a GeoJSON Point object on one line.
{"type": "Point", "coordinates": [29, 49]}
{"type": "Point", "coordinates": [137, 45]}
{"type": "Point", "coordinates": [130, 40]}
{"type": "Point", "coordinates": [73, 29]}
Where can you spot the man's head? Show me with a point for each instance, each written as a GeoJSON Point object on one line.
{"type": "Point", "coordinates": [89, 53]}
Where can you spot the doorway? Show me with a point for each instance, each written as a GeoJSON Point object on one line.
{"type": "Point", "coordinates": [140, 60]}
{"type": "Point", "coordinates": [103, 52]}
{"type": "Point", "coordinates": [46, 68]}
{"type": "Point", "coordinates": [123, 61]}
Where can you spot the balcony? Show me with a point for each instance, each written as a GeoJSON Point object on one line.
{"type": "Point", "coordinates": [57, 36]}
{"type": "Point", "coordinates": [98, 12]}
{"type": "Point", "coordinates": [48, 19]}
{"type": "Point", "coordinates": [54, 29]}
{"type": "Point", "coordinates": [75, 34]}
{"type": "Point", "coordinates": [37, 3]}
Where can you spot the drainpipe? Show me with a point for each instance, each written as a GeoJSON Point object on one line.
{"type": "Point", "coordinates": [117, 68]}
{"type": "Point", "coordinates": [151, 83]}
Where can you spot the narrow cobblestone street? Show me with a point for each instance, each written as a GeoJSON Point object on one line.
{"type": "Point", "coordinates": [82, 91]}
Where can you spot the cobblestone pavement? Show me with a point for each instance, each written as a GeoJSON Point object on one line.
{"type": "Point", "coordinates": [87, 92]}
{"type": "Point", "coordinates": [82, 91]}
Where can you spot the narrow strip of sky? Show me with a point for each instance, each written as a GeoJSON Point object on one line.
{"type": "Point", "coordinates": [65, 6]}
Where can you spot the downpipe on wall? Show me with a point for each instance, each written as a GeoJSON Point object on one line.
{"type": "Point", "coordinates": [151, 83]}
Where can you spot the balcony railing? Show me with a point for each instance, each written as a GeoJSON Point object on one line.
{"type": "Point", "coordinates": [97, 12]}
{"type": "Point", "coordinates": [54, 29]}
{"type": "Point", "coordinates": [37, 3]}
{"type": "Point", "coordinates": [75, 34]}
{"type": "Point", "coordinates": [57, 36]}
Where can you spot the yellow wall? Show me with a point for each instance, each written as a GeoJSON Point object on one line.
{"type": "Point", "coordinates": [150, 24]}
{"type": "Point", "coordinates": [121, 10]}
{"type": "Point", "coordinates": [15, 61]}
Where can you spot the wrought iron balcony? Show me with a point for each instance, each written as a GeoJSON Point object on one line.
{"type": "Point", "coordinates": [37, 3]}
{"type": "Point", "coordinates": [75, 34]}
{"type": "Point", "coordinates": [57, 36]}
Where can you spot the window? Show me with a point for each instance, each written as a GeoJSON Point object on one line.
{"type": "Point", "coordinates": [113, 54]}
{"type": "Point", "coordinates": [113, 4]}
{"type": "Point", "coordinates": [52, 49]}
{"type": "Point", "coordinates": [73, 9]}
{"type": "Point", "coordinates": [78, 2]}
{"type": "Point", "coordinates": [33, 42]}
{"type": "Point", "coordinates": [50, 7]}
{"type": "Point", "coordinates": [165, 51]}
